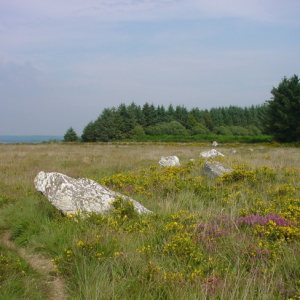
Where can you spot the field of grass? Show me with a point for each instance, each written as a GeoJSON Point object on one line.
{"type": "Point", "coordinates": [235, 237]}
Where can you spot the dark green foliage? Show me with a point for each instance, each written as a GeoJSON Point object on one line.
{"type": "Point", "coordinates": [191, 122]}
{"type": "Point", "coordinates": [181, 114]}
{"type": "Point", "coordinates": [237, 115]}
{"type": "Point", "coordinates": [253, 130]}
{"type": "Point", "coordinates": [238, 130]}
{"type": "Point", "coordinates": [70, 135]}
{"type": "Point", "coordinates": [149, 115]}
{"type": "Point", "coordinates": [217, 117]}
{"type": "Point", "coordinates": [128, 118]}
{"type": "Point", "coordinates": [208, 121]}
{"type": "Point", "coordinates": [170, 113]}
{"type": "Point", "coordinates": [109, 125]}
{"type": "Point", "coordinates": [127, 122]}
{"type": "Point", "coordinates": [283, 111]}
{"type": "Point", "coordinates": [157, 129]}
{"type": "Point", "coordinates": [223, 130]}
{"type": "Point", "coordinates": [89, 133]}
{"type": "Point", "coordinates": [172, 128]}
{"type": "Point", "coordinates": [138, 130]}
{"type": "Point", "coordinates": [199, 129]}
{"type": "Point", "coordinates": [200, 138]}
{"type": "Point", "coordinates": [197, 114]}
{"type": "Point", "coordinates": [175, 128]}
{"type": "Point", "coordinates": [162, 115]}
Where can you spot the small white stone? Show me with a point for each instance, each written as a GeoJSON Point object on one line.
{"type": "Point", "coordinates": [169, 161]}
{"type": "Point", "coordinates": [210, 154]}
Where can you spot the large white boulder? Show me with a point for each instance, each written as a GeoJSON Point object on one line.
{"type": "Point", "coordinates": [169, 161]}
{"type": "Point", "coordinates": [210, 154]}
{"type": "Point", "coordinates": [79, 195]}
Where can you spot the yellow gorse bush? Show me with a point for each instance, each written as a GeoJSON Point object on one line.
{"type": "Point", "coordinates": [198, 243]}
{"type": "Point", "coordinates": [239, 173]}
{"type": "Point", "coordinates": [156, 180]}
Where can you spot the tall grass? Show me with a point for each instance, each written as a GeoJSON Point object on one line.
{"type": "Point", "coordinates": [236, 237]}
{"type": "Point", "coordinates": [17, 279]}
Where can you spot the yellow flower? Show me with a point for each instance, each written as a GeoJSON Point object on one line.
{"type": "Point", "coordinates": [80, 244]}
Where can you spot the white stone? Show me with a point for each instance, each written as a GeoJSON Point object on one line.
{"type": "Point", "coordinates": [215, 144]}
{"type": "Point", "coordinates": [169, 161]}
{"type": "Point", "coordinates": [79, 195]}
{"type": "Point", "coordinates": [210, 154]}
{"type": "Point", "coordinates": [215, 169]}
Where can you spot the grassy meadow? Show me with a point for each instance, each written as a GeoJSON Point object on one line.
{"type": "Point", "coordinates": [235, 237]}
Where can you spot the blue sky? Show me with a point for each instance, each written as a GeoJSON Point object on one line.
{"type": "Point", "coordinates": [63, 62]}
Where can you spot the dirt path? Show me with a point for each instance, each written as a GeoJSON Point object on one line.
{"type": "Point", "coordinates": [42, 266]}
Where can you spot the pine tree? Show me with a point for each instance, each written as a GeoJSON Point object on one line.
{"type": "Point", "coordinates": [191, 122]}
{"type": "Point", "coordinates": [283, 111]}
{"type": "Point", "coordinates": [107, 126]}
{"type": "Point", "coordinates": [170, 113]}
{"type": "Point", "coordinates": [198, 115]}
{"type": "Point", "coordinates": [149, 114]}
{"type": "Point", "coordinates": [128, 119]}
{"type": "Point", "coordinates": [181, 114]}
{"type": "Point", "coordinates": [161, 114]}
{"type": "Point", "coordinates": [217, 116]}
{"type": "Point", "coordinates": [70, 135]}
{"type": "Point", "coordinates": [209, 123]}
{"type": "Point", "coordinates": [89, 133]}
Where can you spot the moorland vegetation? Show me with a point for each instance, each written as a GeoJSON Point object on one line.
{"type": "Point", "coordinates": [235, 237]}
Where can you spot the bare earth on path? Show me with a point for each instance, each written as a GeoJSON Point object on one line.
{"type": "Point", "coordinates": [43, 266]}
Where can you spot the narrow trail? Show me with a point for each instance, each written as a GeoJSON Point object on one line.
{"type": "Point", "coordinates": [43, 266]}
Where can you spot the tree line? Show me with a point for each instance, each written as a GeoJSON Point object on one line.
{"type": "Point", "coordinates": [279, 117]}
{"type": "Point", "coordinates": [128, 121]}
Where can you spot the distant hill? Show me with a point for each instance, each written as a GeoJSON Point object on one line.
{"type": "Point", "coordinates": [17, 139]}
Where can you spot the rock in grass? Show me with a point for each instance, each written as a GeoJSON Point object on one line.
{"type": "Point", "coordinates": [79, 195]}
{"type": "Point", "coordinates": [215, 169]}
{"type": "Point", "coordinates": [214, 144]}
{"type": "Point", "coordinates": [169, 161]}
{"type": "Point", "coordinates": [210, 154]}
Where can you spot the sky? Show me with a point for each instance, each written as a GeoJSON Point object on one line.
{"type": "Point", "coordinates": [63, 62]}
